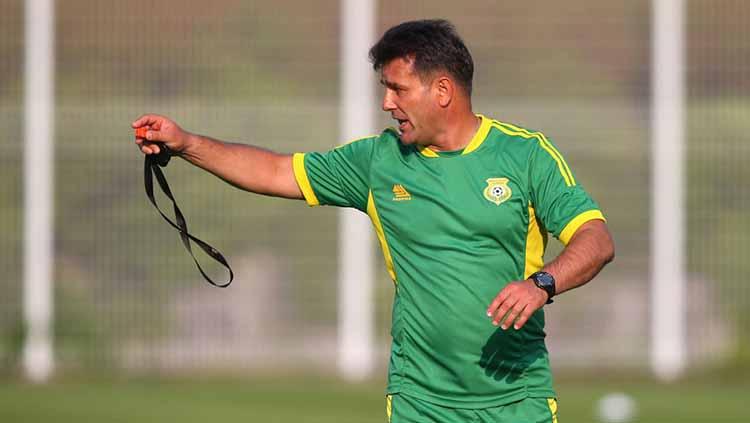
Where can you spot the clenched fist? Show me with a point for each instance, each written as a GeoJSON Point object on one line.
{"type": "Point", "coordinates": [160, 129]}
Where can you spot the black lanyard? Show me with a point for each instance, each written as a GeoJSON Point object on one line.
{"type": "Point", "coordinates": [151, 166]}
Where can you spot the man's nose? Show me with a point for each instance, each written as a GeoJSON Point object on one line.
{"type": "Point", "coordinates": [388, 104]}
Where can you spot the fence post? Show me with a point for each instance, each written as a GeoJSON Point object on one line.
{"type": "Point", "coordinates": [38, 189]}
{"type": "Point", "coordinates": [356, 267]}
{"type": "Point", "coordinates": [668, 276]}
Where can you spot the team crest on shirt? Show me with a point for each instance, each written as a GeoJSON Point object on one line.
{"type": "Point", "coordinates": [497, 190]}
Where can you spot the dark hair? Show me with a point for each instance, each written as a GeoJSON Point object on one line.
{"type": "Point", "coordinates": [432, 45]}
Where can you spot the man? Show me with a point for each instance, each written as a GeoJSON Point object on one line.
{"type": "Point", "coordinates": [461, 204]}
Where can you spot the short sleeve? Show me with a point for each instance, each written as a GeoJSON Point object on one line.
{"type": "Point", "coordinates": [559, 201]}
{"type": "Point", "coordinates": [339, 177]}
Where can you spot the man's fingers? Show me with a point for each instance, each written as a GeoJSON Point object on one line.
{"type": "Point", "coordinates": [512, 306]}
{"type": "Point", "coordinates": [503, 310]}
{"type": "Point", "coordinates": [148, 120]}
{"type": "Point", "coordinates": [513, 314]}
{"type": "Point", "coordinates": [524, 317]}
{"type": "Point", "coordinates": [143, 121]}
{"type": "Point", "coordinates": [153, 135]}
{"type": "Point", "coordinates": [499, 299]}
{"type": "Point", "coordinates": [148, 134]}
{"type": "Point", "coordinates": [149, 148]}
{"type": "Point", "coordinates": [143, 133]}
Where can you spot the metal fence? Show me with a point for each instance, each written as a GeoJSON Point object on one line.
{"type": "Point", "coordinates": [262, 72]}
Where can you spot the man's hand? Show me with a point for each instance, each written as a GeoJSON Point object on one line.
{"type": "Point", "coordinates": [160, 129]}
{"type": "Point", "coordinates": [516, 303]}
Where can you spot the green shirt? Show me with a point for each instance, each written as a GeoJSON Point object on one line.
{"type": "Point", "coordinates": [455, 228]}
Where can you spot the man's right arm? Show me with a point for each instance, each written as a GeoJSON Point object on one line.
{"type": "Point", "coordinates": [246, 167]}
{"type": "Point", "coordinates": [243, 166]}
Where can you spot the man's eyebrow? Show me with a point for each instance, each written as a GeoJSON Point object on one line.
{"type": "Point", "coordinates": [391, 85]}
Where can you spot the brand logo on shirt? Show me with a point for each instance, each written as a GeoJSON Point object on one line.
{"type": "Point", "coordinates": [497, 190]}
{"type": "Point", "coordinates": [400, 193]}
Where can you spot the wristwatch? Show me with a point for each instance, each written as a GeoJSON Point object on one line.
{"type": "Point", "coordinates": [545, 281]}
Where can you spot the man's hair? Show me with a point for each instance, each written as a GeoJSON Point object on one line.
{"type": "Point", "coordinates": [432, 45]}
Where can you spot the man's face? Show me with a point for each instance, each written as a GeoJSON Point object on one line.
{"type": "Point", "coordinates": [410, 101]}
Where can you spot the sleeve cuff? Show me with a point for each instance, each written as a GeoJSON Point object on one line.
{"type": "Point", "coordinates": [300, 174]}
{"type": "Point", "coordinates": [577, 222]}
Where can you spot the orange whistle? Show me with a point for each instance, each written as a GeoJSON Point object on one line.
{"type": "Point", "coordinates": [141, 132]}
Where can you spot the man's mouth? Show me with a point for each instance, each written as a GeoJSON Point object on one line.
{"type": "Point", "coordinates": [402, 125]}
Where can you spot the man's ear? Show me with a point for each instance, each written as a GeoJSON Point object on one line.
{"type": "Point", "coordinates": [445, 90]}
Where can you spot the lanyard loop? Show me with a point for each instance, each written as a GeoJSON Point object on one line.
{"type": "Point", "coordinates": [151, 167]}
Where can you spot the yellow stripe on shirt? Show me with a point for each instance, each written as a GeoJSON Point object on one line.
{"type": "Point", "coordinates": [427, 152]}
{"type": "Point", "coordinates": [300, 174]}
{"type": "Point", "coordinates": [535, 243]}
{"type": "Point", "coordinates": [552, 403]}
{"type": "Point", "coordinates": [373, 213]}
{"type": "Point", "coordinates": [577, 222]}
{"type": "Point", "coordinates": [544, 143]}
{"type": "Point", "coordinates": [479, 136]}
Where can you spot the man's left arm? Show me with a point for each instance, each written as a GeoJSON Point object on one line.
{"type": "Point", "coordinates": [588, 251]}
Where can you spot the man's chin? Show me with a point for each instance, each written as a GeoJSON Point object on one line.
{"type": "Point", "coordinates": [407, 139]}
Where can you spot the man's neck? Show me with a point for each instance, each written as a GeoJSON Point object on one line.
{"type": "Point", "coordinates": [457, 133]}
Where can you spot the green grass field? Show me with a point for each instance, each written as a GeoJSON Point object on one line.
{"type": "Point", "coordinates": [313, 400]}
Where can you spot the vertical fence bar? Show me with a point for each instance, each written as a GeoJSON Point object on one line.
{"type": "Point", "coordinates": [356, 267]}
{"type": "Point", "coordinates": [668, 276]}
{"type": "Point", "coordinates": [38, 193]}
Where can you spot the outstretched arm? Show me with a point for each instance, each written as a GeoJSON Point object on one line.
{"type": "Point", "coordinates": [246, 167]}
{"type": "Point", "coordinates": [589, 249]}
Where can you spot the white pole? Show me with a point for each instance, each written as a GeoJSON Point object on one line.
{"type": "Point", "coordinates": [38, 195]}
{"type": "Point", "coordinates": [356, 267]}
{"type": "Point", "coordinates": [668, 276]}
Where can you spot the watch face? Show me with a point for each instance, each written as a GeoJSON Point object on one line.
{"type": "Point", "coordinates": [545, 279]}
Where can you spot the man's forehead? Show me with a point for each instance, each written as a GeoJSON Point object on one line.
{"type": "Point", "coordinates": [397, 69]}
{"type": "Point", "coordinates": [399, 64]}
{"type": "Point", "coordinates": [402, 69]}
